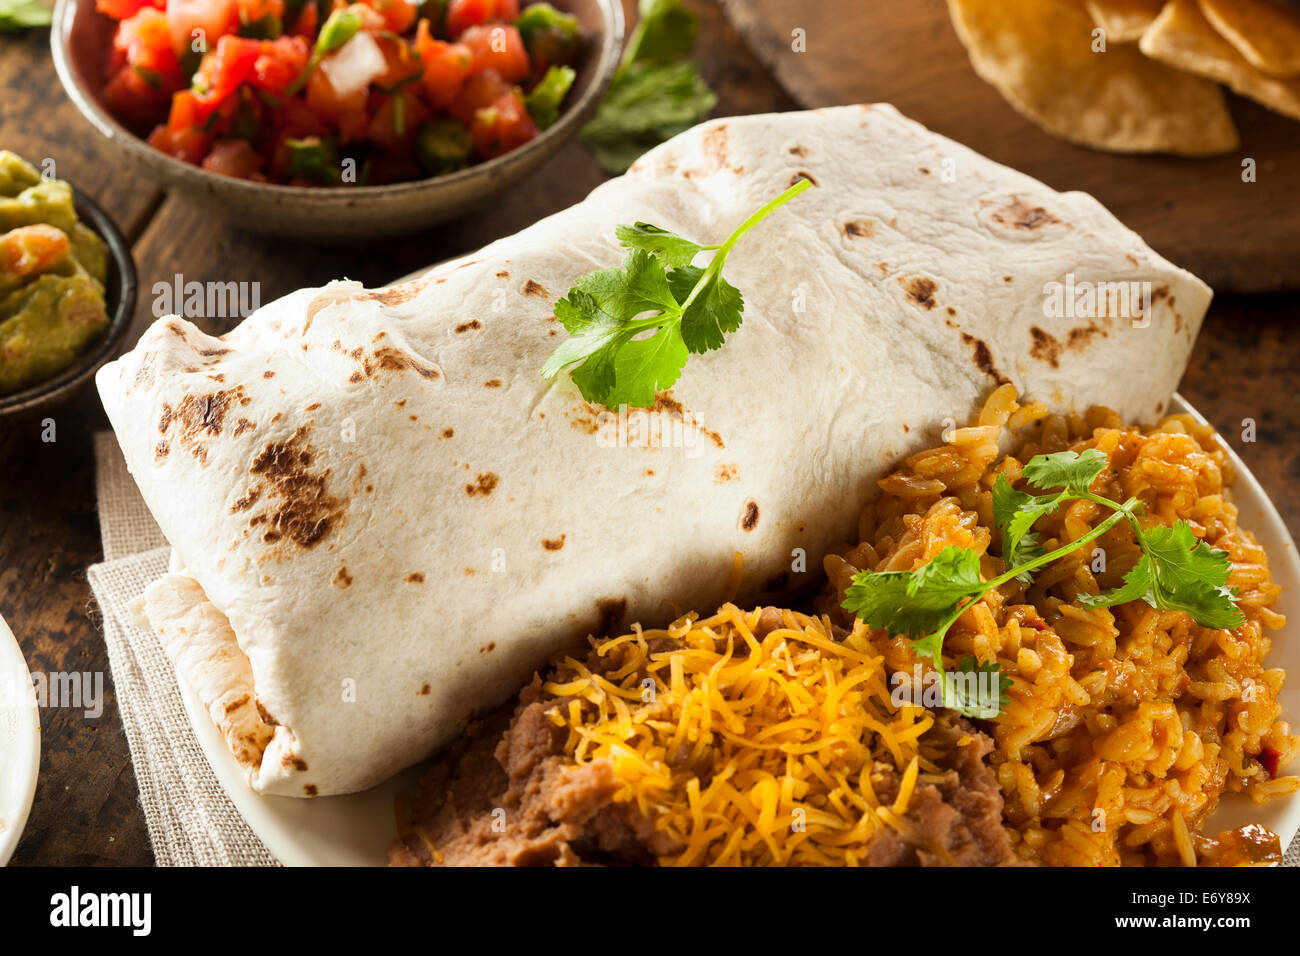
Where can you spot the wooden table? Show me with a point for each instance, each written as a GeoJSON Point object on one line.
{"type": "Point", "coordinates": [87, 808]}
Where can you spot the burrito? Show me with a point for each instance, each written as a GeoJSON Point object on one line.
{"type": "Point", "coordinates": [384, 518]}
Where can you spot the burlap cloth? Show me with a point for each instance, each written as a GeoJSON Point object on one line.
{"type": "Point", "coordinates": [191, 820]}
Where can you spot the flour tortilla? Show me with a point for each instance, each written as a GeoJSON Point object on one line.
{"type": "Point", "coordinates": [1123, 20]}
{"type": "Point", "coordinates": [398, 519]}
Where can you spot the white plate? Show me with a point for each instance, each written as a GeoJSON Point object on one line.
{"type": "Point", "coordinates": [356, 829]}
{"type": "Point", "coordinates": [20, 742]}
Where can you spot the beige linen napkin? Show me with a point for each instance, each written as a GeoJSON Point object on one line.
{"type": "Point", "coordinates": [191, 820]}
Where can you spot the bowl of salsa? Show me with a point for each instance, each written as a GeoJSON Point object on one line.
{"type": "Point", "coordinates": [329, 120]}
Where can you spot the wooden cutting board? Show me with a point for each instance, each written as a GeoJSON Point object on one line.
{"type": "Point", "coordinates": [1242, 237]}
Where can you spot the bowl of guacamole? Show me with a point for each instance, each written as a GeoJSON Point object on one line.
{"type": "Point", "coordinates": [67, 288]}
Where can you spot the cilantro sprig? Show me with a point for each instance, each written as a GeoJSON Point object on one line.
{"type": "Point", "coordinates": [632, 328]}
{"type": "Point", "coordinates": [1177, 571]}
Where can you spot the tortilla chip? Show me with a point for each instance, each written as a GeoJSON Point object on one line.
{"type": "Point", "coordinates": [1267, 34]}
{"type": "Point", "coordinates": [1183, 38]}
{"type": "Point", "coordinates": [1038, 55]}
{"type": "Point", "coordinates": [1124, 20]}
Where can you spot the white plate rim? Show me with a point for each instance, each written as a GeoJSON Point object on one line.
{"type": "Point", "coordinates": [20, 742]}
{"type": "Point", "coordinates": [291, 827]}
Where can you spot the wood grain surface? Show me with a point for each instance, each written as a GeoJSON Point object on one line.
{"type": "Point", "coordinates": [87, 807]}
{"type": "Point", "coordinates": [1237, 236]}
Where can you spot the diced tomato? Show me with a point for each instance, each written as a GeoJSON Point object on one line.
{"type": "Point", "coordinates": [298, 120]}
{"type": "Point", "coordinates": [398, 14]}
{"type": "Point", "coordinates": [499, 47]}
{"type": "Point", "coordinates": [353, 125]}
{"type": "Point", "coordinates": [183, 136]}
{"type": "Point", "coordinates": [462, 14]}
{"type": "Point", "coordinates": [224, 69]}
{"type": "Point", "coordinates": [145, 40]}
{"type": "Point", "coordinates": [324, 100]}
{"type": "Point", "coordinates": [29, 250]}
{"type": "Point", "coordinates": [251, 11]}
{"type": "Point", "coordinates": [503, 126]}
{"type": "Point", "coordinates": [402, 60]}
{"type": "Point", "coordinates": [233, 157]}
{"type": "Point", "coordinates": [1270, 757]}
{"type": "Point", "coordinates": [278, 64]}
{"type": "Point", "coordinates": [445, 66]}
{"type": "Point", "coordinates": [396, 122]}
{"type": "Point", "coordinates": [212, 18]}
{"type": "Point", "coordinates": [307, 22]}
{"type": "Point", "coordinates": [480, 91]}
{"type": "Point", "coordinates": [133, 100]}
{"type": "Point", "coordinates": [125, 9]}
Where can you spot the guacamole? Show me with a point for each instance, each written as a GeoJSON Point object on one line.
{"type": "Point", "coordinates": [52, 274]}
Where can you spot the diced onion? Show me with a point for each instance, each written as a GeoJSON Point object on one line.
{"type": "Point", "coordinates": [354, 65]}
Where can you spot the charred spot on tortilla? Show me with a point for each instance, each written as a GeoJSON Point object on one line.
{"type": "Point", "coordinates": [309, 789]}
{"type": "Point", "coordinates": [415, 577]}
{"type": "Point", "coordinates": [160, 450]}
{"type": "Point", "coordinates": [984, 358]}
{"type": "Point", "coordinates": [342, 579]}
{"type": "Point", "coordinates": [293, 762]}
{"type": "Point", "coordinates": [467, 326]}
{"type": "Point", "coordinates": [725, 473]}
{"type": "Point", "coordinates": [750, 521]}
{"type": "Point", "coordinates": [396, 360]}
{"type": "Point", "coordinates": [265, 714]}
{"type": "Point", "coordinates": [484, 484]}
{"type": "Point", "coordinates": [304, 511]}
{"type": "Point", "coordinates": [492, 383]}
{"type": "Point", "coordinates": [503, 274]}
{"type": "Point", "coordinates": [400, 294]}
{"type": "Point", "coordinates": [536, 289]}
{"type": "Point", "coordinates": [268, 374]}
{"type": "Point", "coordinates": [801, 174]}
{"type": "Point", "coordinates": [1081, 335]}
{"type": "Point", "coordinates": [488, 648]}
{"type": "Point", "coordinates": [1018, 214]}
{"type": "Point", "coordinates": [554, 544]}
{"type": "Point", "coordinates": [920, 290]}
{"type": "Point", "coordinates": [247, 500]}
{"type": "Point", "coordinates": [424, 690]}
{"type": "Point", "coordinates": [1046, 347]}
{"type": "Point", "coordinates": [213, 353]}
{"type": "Point", "coordinates": [860, 229]}
{"type": "Point", "coordinates": [175, 329]}
{"type": "Point", "coordinates": [448, 432]}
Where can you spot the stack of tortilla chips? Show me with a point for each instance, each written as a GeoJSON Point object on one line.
{"type": "Point", "coordinates": [1136, 75]}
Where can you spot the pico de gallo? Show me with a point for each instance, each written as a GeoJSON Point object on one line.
{"type": "Point", "coordinates": [327, 93]}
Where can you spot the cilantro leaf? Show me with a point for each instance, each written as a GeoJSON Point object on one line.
{"type": "Point", "coordinates": [632, 328]}
{"type": "Point", "coordinates": [674, 250]}
{"type": "Point", "coordinates": [1066, 469]}
{"type": "Point", "coordinates": [966, 689]}
{"type": "Point", "coordinates": [1014, 514]}
{"type": "Point", "coordinates": [915, 603]}
{"type": "Point", "coordinates": [647, 103]}
{"type": "Point", "coordinates": [665, 30]}
{"type": "Point", "coordinates": [715, 310]}
{"type": "Point", "coordinates": [1179, 572]}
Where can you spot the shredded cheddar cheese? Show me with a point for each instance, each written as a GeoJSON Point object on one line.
{"type": "Point", "coordinates": [747, 751]}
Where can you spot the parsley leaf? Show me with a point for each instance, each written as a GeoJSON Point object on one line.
{"type": "Point", "coordinates": [1068, 469]}
{"type": "Point", "coordinates": [632, 328]}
